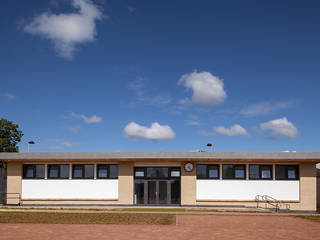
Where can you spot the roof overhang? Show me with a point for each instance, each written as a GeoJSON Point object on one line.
{"type": "Point", "coordinates": [313, 157]}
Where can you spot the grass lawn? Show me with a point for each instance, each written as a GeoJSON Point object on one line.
{"type": "Point", "coordinates": [154, 209]}
{"type": "Point", "coordinates": [86, 218]}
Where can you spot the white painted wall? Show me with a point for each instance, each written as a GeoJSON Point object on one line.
{"type": "Point", "coordinates": [246, 190]}
{"type": "Point", "coordinates": [68, 189]}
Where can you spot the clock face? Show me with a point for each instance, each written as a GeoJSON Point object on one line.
{"type": "Point", "coordinates": [188, 167]}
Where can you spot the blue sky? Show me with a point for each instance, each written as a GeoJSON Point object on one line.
{"type": "Point", "coordinates": [161, 75]}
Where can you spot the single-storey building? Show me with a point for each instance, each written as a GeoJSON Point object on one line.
{"type": "Point", "coordinates": [236, 179]}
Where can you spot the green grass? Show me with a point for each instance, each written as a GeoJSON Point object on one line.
{"type": "Point", "coordinates": [309, 217]}
{"type": "Point", "coordinates": [86, 218]}
{"type": "Point", "coordinates": [154, 209]}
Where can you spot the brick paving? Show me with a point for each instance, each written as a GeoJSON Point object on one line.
{"type": "Point", "coordinates": [188, 227]}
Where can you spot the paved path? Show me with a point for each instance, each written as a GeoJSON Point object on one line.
{"type": "Point", "coordinates": [188, 227]}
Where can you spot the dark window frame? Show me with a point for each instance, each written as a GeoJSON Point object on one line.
{"type": "Point", "coordinates": [234, 171]}
{"type": "Point", "coordinates": [160, 178]}
{"type": "Point", "coordinates": [108, 171]}
{"type": "Point", "coordinates": [260, 171]}
{"type": "Point", "coordinates": [59, 171]}
{"type": "Point", "coordinates": [34, 169]}
{"type": "Point", "coordinates": [207, 171]}
{"type": "Point", "coordinates": [286, 166]}
{"type": "Point", "coordinates": [83, 171]}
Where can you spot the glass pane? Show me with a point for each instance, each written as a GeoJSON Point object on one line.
{"type": "Point", "coordinates": [292, 172]}
{"type": "Point", "coordinates": [254, 171]}
{"type": "Point", "coordinates": [175, 192]}
{"type": "Point", "coordinates": [102, 171]}
{"type": "Point", "coordinates": [266, 172]}
{"type": "Point", "coordinates": [281, 172]}
{"type": "Point", "coordinates": [175, 173]}
{"type": "Point", "coordinates": [152, 192]}
{"type": "Point", "coordinates": [139, 192]}
{"type": "Point", "coordinates": [88, 171]}
{"type": "Point", "coordinates": [40, 171]}
{"type": "Point", "coordinates": [139, 173]}
{"type": "Point", "coordinates": [157, 172]}
{"type": "Point", "coordinates": [77, 171]}
{"type": "Point", "coordinates": [239, 172]}
{"type": "Point", "coordinates": [29, 171]}
{"type": "Point", "coordinates": [213, 172]}
{"type": "Point", "coordinates": [53, 171]}
{"type": "Point", "coordinates": [201, 171]}
{"type": "Point", "coordinates": [163, 192]}
{"type": "Point", "coordinates": [113, 171]}
{"type": "Point", "coordinates": [64, 171]}
{"type": "Point", "coordinates": [227, 171]}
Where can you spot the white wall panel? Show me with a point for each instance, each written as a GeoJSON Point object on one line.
{"type": "Point", "coordinates": [246, 190]}
{"type": "Point", "coordinates": [70, 189]}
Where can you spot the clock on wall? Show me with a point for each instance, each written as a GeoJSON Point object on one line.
{"type": "Point", "coordinates": [188, 167]}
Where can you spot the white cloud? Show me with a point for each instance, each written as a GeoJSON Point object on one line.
{"type": "Point", "coordinates": [193, 122]}
{"type": "Point", "coordinates": [74, 129]}
{"type": "Point", "coordinates": [66, 30]}
{"type": "Point", "coordinates": [9, 96]}
{"type": "Point", "coordinates": [92, 119]}
{"type": "Point", "coordinates": [207, 89]}
{"type": "Point", "coordinates": [232, 131]}
{"type": "Point", "coordinates": [66, 144]}
{"type": "Point", "coordinates": [281, 126]}
{"type": "Point", "coordinates": [58, 144]}
{"type": "Point", "coordinates": [132, 9]}
{"type": "Point", "coordinates": [154, 132]}
{"type": "Point", "coordinates": [147, 97]}
{"type": "Point", "coordinates": [265, 108]}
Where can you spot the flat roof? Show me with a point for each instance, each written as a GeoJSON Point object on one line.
{"type": "Point", "coordinates": [166, 156]}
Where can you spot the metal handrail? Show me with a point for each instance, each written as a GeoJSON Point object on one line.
{"type": "Point", "coordinates": [271, 201]}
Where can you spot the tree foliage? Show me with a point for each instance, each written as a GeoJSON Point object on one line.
{"type": "Point", "coordinates": [10, 136]}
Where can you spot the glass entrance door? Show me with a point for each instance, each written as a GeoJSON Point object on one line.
{"type": "Point", "coordinates": [157, 186]}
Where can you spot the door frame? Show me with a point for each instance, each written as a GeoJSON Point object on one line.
{"type": "Point", "coordinates": [169, 180]}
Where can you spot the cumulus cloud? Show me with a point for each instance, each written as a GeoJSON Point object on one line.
{"type": "Point", "coordinates": [92, 119]}
{"type": "Point", "coordinates": [232, 131]}
{"type": "Point", "coordinates": [235, 130]}
{"type": "Point", "coordinates": [281, 126]}
{"type": "Point", "coordinates": [9, 96]}
{"type": "Point", "coordinates": [207, 89]}
{"type": "Point", "coordinates": [265, 108]}
{"type": "Point", "coordinates": [154, 132]}
{"type": "Point", "coordinates": [66, 30]}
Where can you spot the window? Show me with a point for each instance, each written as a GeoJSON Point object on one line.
{"type": "Point", "coordinates": [139, 173]}
{"type": "Point", "coordinates": [258, 171]}
{"type": "Point", "coordinates": [107, 171]}
{"type": "Point", "coordinates": [33, 171]}
{"type": "Point", "coordinates": [205, 171]}
{"type": "Point", "coordinates": [56, 171]}
{"type": "Point", "coordinates": [175, 172]}
{"type": "Point", "coordinates": [157, 172]}
{"type": "Point", "coordinates": [233, 171]}
{"type": "Point", "coordinates": [287, 172]}
{"type": "Point", "coordinates": [82, 171]}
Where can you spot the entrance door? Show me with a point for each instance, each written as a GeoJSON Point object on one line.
{"type": "Point", "coordinates": [157, 186]}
